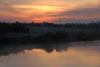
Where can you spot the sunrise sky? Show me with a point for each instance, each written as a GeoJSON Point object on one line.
{"type": "Point", "coordinates": [50, 10]}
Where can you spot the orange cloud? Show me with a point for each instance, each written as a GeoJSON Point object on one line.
{"type": "Point", "coordinates": [44, 10]}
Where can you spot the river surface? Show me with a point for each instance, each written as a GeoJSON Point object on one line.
{"type": "Point", "coordinates": [75, 54]}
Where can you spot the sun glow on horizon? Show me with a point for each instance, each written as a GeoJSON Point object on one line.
{"type": "Point", "coordinates": [44, 10]}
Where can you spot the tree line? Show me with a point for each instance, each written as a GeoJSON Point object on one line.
{"type": "Point", "coordinates": [67, 25]}
{"type": "Point", "coordinates": [13, 28]}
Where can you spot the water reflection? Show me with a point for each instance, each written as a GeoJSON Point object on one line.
{"type": "Point", "coordinates": [6, 50]}
{"type": "Point", "coordinates": [75, 54]}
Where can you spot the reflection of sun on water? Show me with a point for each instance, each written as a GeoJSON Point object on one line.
{"type": "Point", "coordinates": [35, 50]}
{"type": "Point", "coordinates": [38, 50]}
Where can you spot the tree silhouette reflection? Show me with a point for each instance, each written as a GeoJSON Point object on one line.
{"type": "Point", "coordinates": [19, 48]}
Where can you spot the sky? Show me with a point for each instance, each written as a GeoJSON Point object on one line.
{"type": "Point", "coordinates": [50, 10]}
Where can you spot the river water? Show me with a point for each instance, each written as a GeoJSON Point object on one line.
{"type": "Point", "coordinates": [74, 54]}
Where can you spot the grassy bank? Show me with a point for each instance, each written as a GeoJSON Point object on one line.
{"type": "Point", "coordinates": [50, 37]}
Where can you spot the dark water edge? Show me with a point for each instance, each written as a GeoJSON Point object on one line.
{"type": "Point", "coordinates": [6, 50]}
{"type": "Point", "coordinates": [49, 37]}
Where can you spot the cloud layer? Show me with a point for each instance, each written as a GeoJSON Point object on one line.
{"type": "Point", "coordinates": [50, 10]}
{"type": "Point", "coordinates": [4, 6]}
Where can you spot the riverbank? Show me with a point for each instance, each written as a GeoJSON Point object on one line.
{"type": "Point", "coordinates": [44, 30]}
{"type": "Point", "coordinates": [19, 33]}
{"type": "Point", "coordinates": [50, 37]}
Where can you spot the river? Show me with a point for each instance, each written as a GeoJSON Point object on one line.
{"type": "Point", "coordinates": [74, 54]}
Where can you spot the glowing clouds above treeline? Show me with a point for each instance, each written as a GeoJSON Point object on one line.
{"type": "Point", "coordinates": [49, 10]}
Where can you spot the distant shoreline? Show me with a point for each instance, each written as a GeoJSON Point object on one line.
{"type": "Point", "coordinates": [21, 33]}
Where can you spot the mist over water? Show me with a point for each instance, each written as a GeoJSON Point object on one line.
{"type": "Point", "coordinates": [77, 54]}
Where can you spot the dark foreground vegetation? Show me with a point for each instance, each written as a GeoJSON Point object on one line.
{"type": "Point", "coordinates": [49, 37]}
{"type": "Point", "coordinates": [12, 28]}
